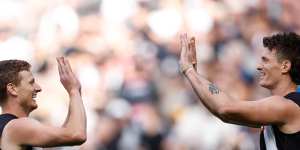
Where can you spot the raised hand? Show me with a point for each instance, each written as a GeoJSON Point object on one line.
{"type": "Point", "coordinates": [67, 77]}
{"type": "Point", "coordinates": [188, 53]}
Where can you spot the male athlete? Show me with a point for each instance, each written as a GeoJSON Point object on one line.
{"type": "Point", "coordinates": [18, 91]}
{"type": "Point", "coordinates": [279, 114]}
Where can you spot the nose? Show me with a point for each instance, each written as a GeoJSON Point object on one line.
{"type": "Point", "coordinates": [259, 67]}
{"type": "Point", "coordinates": [38, 88]}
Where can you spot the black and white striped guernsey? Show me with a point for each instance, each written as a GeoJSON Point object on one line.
{"type": "Point", "coordinates": [4, 119]}
{"type": "Point", "coordinates": [271, 138]}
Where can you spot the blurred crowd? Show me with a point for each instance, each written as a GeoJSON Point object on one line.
{"type": "Point", "coordinates": [125, 53]}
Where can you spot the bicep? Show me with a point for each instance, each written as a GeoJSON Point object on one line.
{"type": "Point", "coordinates": [31, 132]}
{"type": "Point", "coordinates": [256, 113]}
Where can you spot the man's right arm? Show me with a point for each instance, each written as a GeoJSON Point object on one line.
{"type": "Point", "coordinates": [76, 117]}
{"type": "Point", "coordinates": [272, 110]}
{"type": "Point", "coordinates": [25, 131]}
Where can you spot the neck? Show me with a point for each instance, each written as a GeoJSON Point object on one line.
{"type": "Point", "coordinates": [11, 107]}
{"type": "Point", "coordinates": [284, 88]}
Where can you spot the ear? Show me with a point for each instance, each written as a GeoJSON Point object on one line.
{"type": "Point", "coordinates": [286, 66]}
{"type": "Point", "coordinates": [11, 89]}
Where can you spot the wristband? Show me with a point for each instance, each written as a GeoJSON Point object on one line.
{"type": "Point", "coordinates": [184, 68]}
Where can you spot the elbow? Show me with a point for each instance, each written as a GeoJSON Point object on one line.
{"type": "Point", "coordinates": [224, 113]}
{"type": "Point", "coordinates": [80, 138]}
{"type": "Point", "coordinates": [76, 138]}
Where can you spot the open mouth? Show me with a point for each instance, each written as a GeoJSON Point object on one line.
{"type": "Point", "coordinates": [261, 74]}
{"type": "Point", "coordinates": [34, 97]}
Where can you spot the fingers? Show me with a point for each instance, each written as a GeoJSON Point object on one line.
{"type": "Point", "coordinates": [188, 53]}
{"type": "Point", "coordinates": [193, 50]}
{"type": "Point", "coordinates": [184, 45]}
{"type": "Point", "coordinates": [59, 65]}
{"type": "Point", "coordinates": [183, 40]}
{"type": "Point", "coordinates": [188, 47]}
{"type": "Point", "coordinates": [64, 67]}
{"type": "Point", "coordinates": [68, 66]}
{"type": "Point", "coordinates": [67, 77]}
{"type": "Point", "coordinates": [192, 43]}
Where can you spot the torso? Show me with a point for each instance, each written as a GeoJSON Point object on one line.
{"type": "Point", "coordinates": [4, 119]}
{"type": "Point", "coordinates": [287, 137]}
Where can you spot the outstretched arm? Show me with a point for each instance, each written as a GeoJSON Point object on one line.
{"type": "Point", "coordinates": [203, 88]}
{"type": "Point", "coordinates": [271, 110]}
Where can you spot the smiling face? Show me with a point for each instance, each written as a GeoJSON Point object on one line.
{"type": "Point", "coordinates": [269, 69]}
{"type": "Point", "coordinates": [27, 90]}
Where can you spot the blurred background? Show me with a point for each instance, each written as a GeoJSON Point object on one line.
{"type": "Point", "coordinates": [125, 53]}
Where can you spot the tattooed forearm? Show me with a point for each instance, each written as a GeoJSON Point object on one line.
{"type": "Point", "coordinates": [213, 89]}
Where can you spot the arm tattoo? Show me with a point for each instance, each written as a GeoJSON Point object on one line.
{"type": "Point", "coordinates": [213, 89]}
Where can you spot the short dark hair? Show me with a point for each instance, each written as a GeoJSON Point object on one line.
{"type": "Point", "coordinates": [287, 46]}
{"type": "Point", "coordinates": [9, 73]}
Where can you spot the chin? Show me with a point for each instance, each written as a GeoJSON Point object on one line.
{"type": "Point", "coordinates": [264, 84]}
{"type": "Point", "coordinates": [33, 107]}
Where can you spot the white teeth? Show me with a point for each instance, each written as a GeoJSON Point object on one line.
{"type": "Point", "coordinates": [261, 74]}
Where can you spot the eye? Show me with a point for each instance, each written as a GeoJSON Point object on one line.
{"type": "Point", "coordinates": [31, 81]}
{"type": "Point", "coordinates": [264, 59]}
